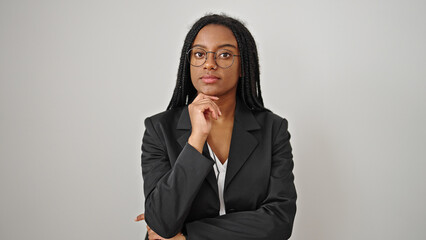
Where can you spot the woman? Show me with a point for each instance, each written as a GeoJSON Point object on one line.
{"type": "Point", "coordinates": [217, 164]}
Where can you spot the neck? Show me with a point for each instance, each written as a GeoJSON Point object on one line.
{"type": "Point", "coordinates": [226, 104]}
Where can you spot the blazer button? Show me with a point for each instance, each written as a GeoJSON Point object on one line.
{"type": "Point", "coordinates": [231, 210]}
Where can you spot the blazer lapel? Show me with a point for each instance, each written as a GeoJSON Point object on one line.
{"type": "Point", "coordinates": [242, 142]}
{"type": "Point", "coordinates": [184, 125]}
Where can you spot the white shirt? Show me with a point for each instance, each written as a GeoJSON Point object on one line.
{"type": "Point", "coordinates": [220, 175]}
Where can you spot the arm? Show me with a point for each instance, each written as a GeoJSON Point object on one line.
{"type": "Point", "coordinates": [274, 219]}
{"type": "Point", "coordinates": [169, 190]}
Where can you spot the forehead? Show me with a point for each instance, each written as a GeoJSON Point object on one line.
{"type": "Point", "coordinates": [214, 35]}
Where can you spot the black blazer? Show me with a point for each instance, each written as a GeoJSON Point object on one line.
{"type": "Point", "coordinates": [181, 192]}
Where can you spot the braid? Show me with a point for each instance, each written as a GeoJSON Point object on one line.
{"type": "Point", "coordinates": [249, 83]}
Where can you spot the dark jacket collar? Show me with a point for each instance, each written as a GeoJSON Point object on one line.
{"type": "Point", "coordinates": [243, 142]}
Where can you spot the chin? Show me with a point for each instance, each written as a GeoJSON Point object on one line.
{"type": "Point", "coordinates": [209, 91]}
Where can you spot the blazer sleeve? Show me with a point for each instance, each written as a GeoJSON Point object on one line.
{"type": "Point", "coordinates": [169, 190]}
{"type": "Point", "coordinates": [274, 219]}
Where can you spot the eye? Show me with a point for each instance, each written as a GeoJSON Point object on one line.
{"type": "Point", "coordinates": [224, 54]}
{"type": "Point", "coordinates": [199, 54]}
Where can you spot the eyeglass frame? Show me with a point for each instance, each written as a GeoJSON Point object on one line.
{"type": "Point", "coordinates": [214, 54]}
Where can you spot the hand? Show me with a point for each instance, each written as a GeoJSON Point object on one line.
{"type": "Point", "coordinates": [140, 217]}
{"type": "Point", "coordinates": [201, 112]}
{"type": "Point", "coordinates": [155, 236]}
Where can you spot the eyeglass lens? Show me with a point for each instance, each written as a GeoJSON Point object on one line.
{"type": "Point", "coordinates": [198, 56]}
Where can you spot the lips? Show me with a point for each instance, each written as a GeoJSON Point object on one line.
{"type": "Point", "coordinates": [209, 79]}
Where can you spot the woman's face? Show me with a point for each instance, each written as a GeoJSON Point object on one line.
{"type": "Point", "coordinates": [210, 78]}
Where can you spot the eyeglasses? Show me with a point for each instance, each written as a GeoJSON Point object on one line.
{"type": "Point", "coordinates": [198, 56]}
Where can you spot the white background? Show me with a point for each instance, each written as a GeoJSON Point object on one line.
{"type": "Point", "coordinates": [79, 77]}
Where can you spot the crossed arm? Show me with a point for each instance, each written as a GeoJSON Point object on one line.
{"type": "Point", "coordinates": [273, 220]}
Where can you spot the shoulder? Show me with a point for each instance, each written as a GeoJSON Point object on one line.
{"type": "Point", "coordinates": [268, 119]}
{"type": "Point", "coordinates": [169, 117]}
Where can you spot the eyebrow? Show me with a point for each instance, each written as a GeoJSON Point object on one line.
{"type": "Point", "coordinates": [220, 46]}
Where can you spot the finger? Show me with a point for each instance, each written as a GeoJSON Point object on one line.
{"type": "Point", "coordinates": [217, 111]}
{"type": "Point", "coordinates": [215, 108]}
{"type": "Point", "coordinates": [201, 96]}
{"type": "Point", "coordinates": [211, 97]}
{"type": "Point", "coordinates": [214, 104]}
{"type": "Point", "coordinates": [153, 235]}
{"type": "Point", "coordinates": [210, 109]}
{"type": "Point", "coordinates": [140, 217]}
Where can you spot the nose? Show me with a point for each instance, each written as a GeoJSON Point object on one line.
{"type": "Point", "coordinates": [210, 62]}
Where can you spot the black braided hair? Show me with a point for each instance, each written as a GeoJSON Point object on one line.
{"type": "Point", "coordinates": [248, 84]}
